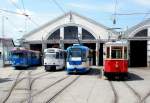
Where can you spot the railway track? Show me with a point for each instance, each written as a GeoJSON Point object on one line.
{"type": "Point", "coordinates": [34, 75]}
{"type": "Point", "coordinates": [145, 97]}
{"type": "Point", "coordinates": [17, 80]}
{"type": "Point", "coordinates": [60, 91]}
{"type": "Point", "coordinates": [30, 89]}
{"type": "Point", "coordinates": [134, 92]}
{"type": "Point", "coordinates": [114, 92]}
{"type": "Point", "coordinates": [34, 79]}
{"type": "Point", "coordinates": [44, 89]}
{"type": "Point", "coordinates": [30, 83]}
{"type": "Point", "coordinates": [37, 73]}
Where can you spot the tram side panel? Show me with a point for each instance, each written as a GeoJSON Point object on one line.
{"type": "Point", "coordinates": [22, 58]}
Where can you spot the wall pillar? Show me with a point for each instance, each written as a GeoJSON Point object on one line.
{"type": "Point", "coordinates": [80, 32]}
{"type": "Point", "coordinates": [148, 49]}
{"type": "Point", "coordinates": [97, 52]}
{"type": "Point", "coordinates": [44, 46]}
{"type": "Point", "coordinates": [62, 33]}
{"type": "Point", "coordinates": [61, 43]}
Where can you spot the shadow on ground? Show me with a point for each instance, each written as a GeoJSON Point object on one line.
{"type": "Point", "coordinates": [5, 80]}
{"type": "Point", "coordinates": [91, 72]}
{"type": "Point", "coordinates": [133, 77]}
{"type": "Point", "coordinates": [94, 71]}
{"type": "Point", "coordinates": [26, 68]}
{"type": "Point", "coordinates": [129, 77]}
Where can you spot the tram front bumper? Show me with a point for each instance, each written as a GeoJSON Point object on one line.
{"type": "Point", "coordinates": [53, 67]}
{"type": "Point", "coordinates": [77, 70]}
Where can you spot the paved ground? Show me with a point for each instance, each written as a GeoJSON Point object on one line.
{"type": "Point", "coordinates": [37, 86]}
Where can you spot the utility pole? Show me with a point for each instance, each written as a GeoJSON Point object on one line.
{"type": "Point", "coordinates": [2, 41]}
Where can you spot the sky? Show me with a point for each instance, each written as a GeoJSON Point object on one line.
{"type": "Point", "coordinates": [43, 11]}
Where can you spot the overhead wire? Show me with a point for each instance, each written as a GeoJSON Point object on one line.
{"type": "Point", "coordinates": [23, 5]}
{"type": "Point", "coordinates": [23, 14]}
{"type": "Point", "coordinates": [33, 21]}
{"type": "Point", "coordinates": [134, 13]}
{"type": "Point", "coordinates": [13, 3]}
{"type": "Point", "coordinates": [58, 5]}
{"type": "Point", "coordinates": [13, 12]}
{"type": "Point", "coordinates": [127, 14]}
{"type": "Point", "coordinates": [115, 12]}
{"type": "Point", "coordinates": [26, 15]}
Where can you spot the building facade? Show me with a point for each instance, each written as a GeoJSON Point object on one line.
{"type": "Point", "coordinates": [139, 44]}
{"type": "Point", "coordinates": [64, 31]}
{"type": "Point", "coordinates": [6, 45]}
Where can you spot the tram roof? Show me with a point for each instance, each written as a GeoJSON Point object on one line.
{"type": "Point", "coordinates": [53, 49]}
{"type": "Point", "coordinates": [117, 43]}
{"type": "Point", "coordinates": [78, 46]}
{"type": "Point", "coordinates": [20, 49]}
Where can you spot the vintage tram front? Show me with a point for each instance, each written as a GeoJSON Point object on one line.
{"type": "Point", "coordinates": [116, 59]}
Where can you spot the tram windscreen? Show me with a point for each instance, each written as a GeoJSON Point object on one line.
{"type": "Point", "coordinates": [50, 55]}
{"type": "Point", "coordinates": [18, 55]}
{"type": "Point", "coordinates": [75, 52]}
{"type": "Point", "coordinates": [116, 53]}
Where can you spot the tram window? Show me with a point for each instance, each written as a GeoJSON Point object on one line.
{"type": "Point", "coordinates": [61, 55]}
{"type": "Point", "coordinates": [84, 56]}
{"type": "Point", "coordinates": [33, 55]}
{"type": "Point", "coordinates": [116, 53]}
{"type": "Point", "coordinates": [108, 49]}
{"type": "Point", "coordinates": [0, 55]}
{"type": "Point", "coordinates": [37, 55]}
{"type": "Point", "coordinates": [49, 55]}
{"type": "Point", "coordinates": [75, 52]}
{"type": "Point", "coordinates": [17, 55]}
{"type": "Point", "coordinates": [57, 55]}
{"type": "Point", "coordinates": [125, 52]}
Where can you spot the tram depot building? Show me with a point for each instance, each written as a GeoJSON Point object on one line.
{"type": "Point", "coordinates": [6, 45]}
{"type": "Point", "coordinates": [64, 30]}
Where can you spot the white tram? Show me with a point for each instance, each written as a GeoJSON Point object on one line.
{"type": "Point", "coordinates": [54, 59]}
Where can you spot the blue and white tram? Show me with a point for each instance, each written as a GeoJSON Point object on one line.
{"type": "Point", "coordinates": [22, 58]}
{"type": "Point", "coordinates": [54, 59]}
{"type": "Point", "coordinates": [78, 59]}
